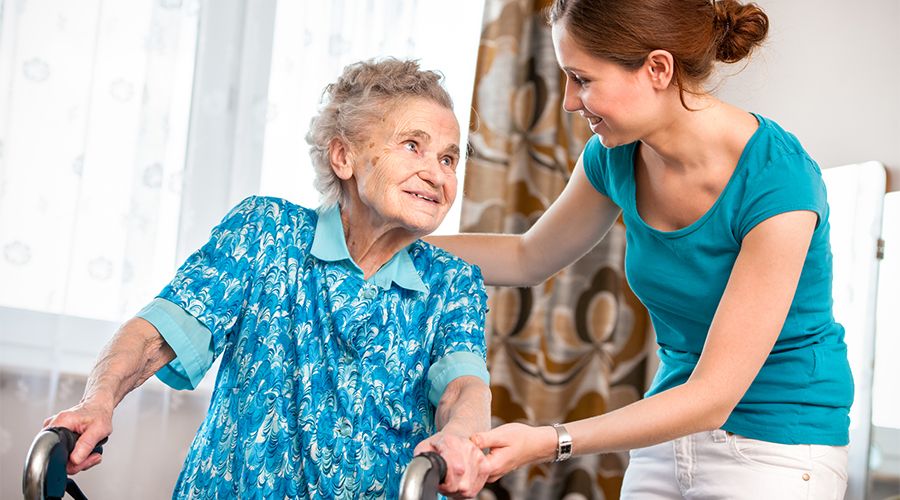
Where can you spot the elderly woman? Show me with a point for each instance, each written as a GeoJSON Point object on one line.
{"type": "Point", "coordinates": [346, 343]}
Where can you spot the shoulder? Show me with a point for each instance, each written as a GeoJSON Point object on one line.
{"type": "Point", "coordinates": [608, 169]}
{"type": "Point", "coordinates": [775, 147]}
{"type": "Point", "coordinates": [598, 155]}
{"type": "Point", "coordinates": [438, 266]}
{"type": "Point", "coordinates": [778, 176]}
{"type": "Point", "coordinates": [271, 209]}
{"type": "Point", "coordinates": [267, 215]}
{"type": "Point", "coordinates": [775, 162]}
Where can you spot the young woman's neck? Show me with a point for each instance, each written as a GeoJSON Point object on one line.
{"type": "Point", "coordinates": [713, 134]}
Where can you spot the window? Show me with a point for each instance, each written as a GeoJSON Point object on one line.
{"type": "Point", "coordinates": [313, 41]}
{"type": "Point", "coordinates": [94, 108]}
{"type": "Point", "coordinates": [127, 130]}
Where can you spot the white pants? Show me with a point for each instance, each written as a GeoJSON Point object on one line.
{"type": "Point", "coordinates": [719, 464]}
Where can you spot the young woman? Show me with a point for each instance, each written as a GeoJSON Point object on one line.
{"type": "Point", "coordinates": [728, 248]}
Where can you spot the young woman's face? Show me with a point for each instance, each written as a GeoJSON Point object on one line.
{"type": "Point", "coordinates": [405, 167]}
{"type": "Point", "coordinates": [611, 98]}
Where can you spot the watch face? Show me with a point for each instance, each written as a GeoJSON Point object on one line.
{"type": "Point", "coordinates": [564, 443]}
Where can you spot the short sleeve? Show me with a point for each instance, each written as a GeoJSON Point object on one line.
{"type": "Point", "coordinates": [459, 345]}
{"type": "Point", "coordinates": [212, 284]}
{"type": "Point", "coordinates": [594, 166]}
{"type": "Point", "coordinates": [189, 338]}
{"type": "Point", "coordinates": [787, 184]}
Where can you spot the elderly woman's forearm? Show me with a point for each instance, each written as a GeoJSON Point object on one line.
{"type": "Point", "coordinates": [465, 407]}
{"type": "Point", "coordinates": [133, 355]}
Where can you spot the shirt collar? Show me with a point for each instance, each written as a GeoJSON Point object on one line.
{"type": "Point", "coordinates": [329, 245]}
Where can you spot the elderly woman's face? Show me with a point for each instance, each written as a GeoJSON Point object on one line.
{"type": "Point", "coordinates": [405, 167]}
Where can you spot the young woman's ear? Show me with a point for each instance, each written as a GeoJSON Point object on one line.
{"type": "Point", "coordinates": [660, 67]}
{"type": "Point", "coordinates": [341, 159]}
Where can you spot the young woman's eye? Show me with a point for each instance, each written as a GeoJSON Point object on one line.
{"type": "Point", "coordinates": [578, 80]}
{"type": "Point", "coordinates": [411, 146]}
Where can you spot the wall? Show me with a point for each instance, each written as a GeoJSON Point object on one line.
{"type": "Point", "coordinates": [829, 73]}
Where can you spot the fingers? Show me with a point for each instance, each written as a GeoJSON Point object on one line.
{"type": "Point", "coordinates": [92, 425]}
{"type": "Point", "coordinates": [84, 447]}
{"type": "Point", "coordinates": [490, 439]}
{"type": "Point", "coordinates": [61, 419]}
{"type": "Point", "coordinates": [503, 453]}
{"type": "Point", "coordinates": [83, 456]}
{"type": "Point", "coordinates": [424, 446]}
{"type": "Point", "coordinates": [90, 461]}
{"type": "Point", "coordinates": [496, 465]}
{"type": "Point", "coordinates": [479, 440]}
{"type": "Point", "coordinates": [466, 473]}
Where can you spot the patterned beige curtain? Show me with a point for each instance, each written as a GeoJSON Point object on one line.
{"type": "Point", "coordinates": [574, 346]}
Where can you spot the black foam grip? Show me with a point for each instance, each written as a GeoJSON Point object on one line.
{"type": "Point", "coordinates": [68, 438]}
{"type": "Point", "coordinates": [437, 462]}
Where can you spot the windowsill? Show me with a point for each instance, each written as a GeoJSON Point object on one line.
{"type": "Point", "coordinates": [41, 341]}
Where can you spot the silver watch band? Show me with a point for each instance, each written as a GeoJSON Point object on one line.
{"type": "Point", "coordinates": [563, 443]}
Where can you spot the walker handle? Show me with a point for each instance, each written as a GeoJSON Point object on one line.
{"type": "Point", "coordinates": [45, 466]}
{"type": "Point", "coordinates": [422, 477]}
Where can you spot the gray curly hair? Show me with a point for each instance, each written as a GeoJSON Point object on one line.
{"type": "Point", "coordinates": [359, 97]}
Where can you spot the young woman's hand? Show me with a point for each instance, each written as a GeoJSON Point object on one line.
{"type": "Point", "coordinates": [514, 445]}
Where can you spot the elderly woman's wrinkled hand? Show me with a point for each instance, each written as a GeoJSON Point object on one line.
{"type": "Point", "coordinates": [466, 465]}
{"type": "Point", "coordinates": [94, 422]}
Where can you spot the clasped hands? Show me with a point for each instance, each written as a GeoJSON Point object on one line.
{"type": "Point", "coordinates": [507, 447]}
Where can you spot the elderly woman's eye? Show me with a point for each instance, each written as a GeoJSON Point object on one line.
{"type": "Point", "coordinates": [448, 161]}
{"type": "Point", "coordinates": [411, 146]}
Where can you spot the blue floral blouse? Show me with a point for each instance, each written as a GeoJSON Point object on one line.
{"type": "Point", "coordinates": [327, 381]}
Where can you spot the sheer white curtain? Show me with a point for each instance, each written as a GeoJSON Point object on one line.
{"type": "Point", "coordinates": [93, 111]}
{"type": "Point", "coordinates": [313, 42]}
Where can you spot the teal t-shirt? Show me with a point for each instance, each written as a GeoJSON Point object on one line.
{"type": "Point", "coordinates": [803, 393]}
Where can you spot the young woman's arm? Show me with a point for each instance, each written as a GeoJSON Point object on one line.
{"type": "Point", "coordinates": [573, 224]}
{"type": "Point", "coordinates": [746, 325]}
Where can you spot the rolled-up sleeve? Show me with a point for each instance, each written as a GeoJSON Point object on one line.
{"type": "Point", "coordinates": [452, 366]}
{"type": "Point", "coordinates": [190, 339]}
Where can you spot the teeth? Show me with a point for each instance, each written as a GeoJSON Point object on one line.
{"type": "Point", "coordinates": [424, 198]}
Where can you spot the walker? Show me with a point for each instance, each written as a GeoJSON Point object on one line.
{"type": "Point", "coordinates": [45, 475]}
{"type": "Point", "coordinates": [422, 477]}
{"type": "Point", "coordinates": [45, 467]}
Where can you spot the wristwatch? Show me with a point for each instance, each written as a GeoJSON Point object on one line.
{"type": "Point", "coordinates": [563, 444]}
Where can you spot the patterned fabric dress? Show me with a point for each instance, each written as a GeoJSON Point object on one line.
{"type": "Point", "coordinates": [327, 381]}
